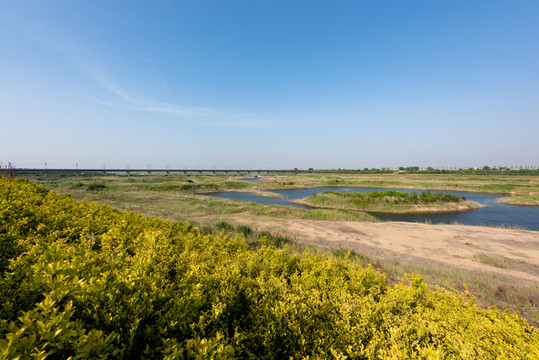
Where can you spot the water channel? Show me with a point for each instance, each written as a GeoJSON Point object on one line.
{"type": "Point", "coordinates": [497, 214]}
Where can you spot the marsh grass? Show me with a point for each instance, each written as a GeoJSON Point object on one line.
{"type": "Point", "coordinates": [274, 239]}
{"type": "Point", "coordinates": [252, 236]}
{"type": "Point", "coordinates": [389, 201]}
{"type": "Point", "coordinates": [501, 226]}
{"type": "Point", "coordinates": [502, 262]}
{"type": "Point", "coordinates": [224, 226]}
{"type": "Point", "coordinates": [496, 261]}
{"type": "Point", "coordinates": [526, 200]}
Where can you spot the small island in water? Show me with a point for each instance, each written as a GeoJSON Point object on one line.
{"type": "Point", "coordinates": [390, 202]}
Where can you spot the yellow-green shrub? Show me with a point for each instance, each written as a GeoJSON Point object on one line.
{"type": "Point", "coordinates": [86, 281]}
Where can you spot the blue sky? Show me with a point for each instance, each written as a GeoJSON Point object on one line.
{"type": "Point", "coordinates": [269, 84]}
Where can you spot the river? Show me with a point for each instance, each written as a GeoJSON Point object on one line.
{"type": "Point", "coordinates": [497, 214]}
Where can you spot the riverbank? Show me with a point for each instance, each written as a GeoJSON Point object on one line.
{"type": "Point", "coordinates": [390, 202]}
{"type": "Point", "coordinates": [499, 266]}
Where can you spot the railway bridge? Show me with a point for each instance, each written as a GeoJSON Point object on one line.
{"type": "Point", "coordinates": [185, 172]}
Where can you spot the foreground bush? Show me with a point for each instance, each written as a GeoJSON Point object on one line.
{"type": "Point", "coordinates": [82, 280]}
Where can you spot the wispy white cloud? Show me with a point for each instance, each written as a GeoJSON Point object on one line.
{"type": "Point", "coordinates": [249, 123]}
{"type": "Point", "coordinates": [202, 115]}
{"type": "Point", "coordinates": [178, 111]}
{"type": "Point", "coordinates": [107, 84]}
{"type": "Point", "coordinates": [85, 58]}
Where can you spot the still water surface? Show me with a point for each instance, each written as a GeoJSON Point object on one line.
{"type": "Point", "coordinates": [497, 214]}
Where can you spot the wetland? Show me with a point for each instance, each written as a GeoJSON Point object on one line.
{"type": "Point", "coordinates": [498, 261]}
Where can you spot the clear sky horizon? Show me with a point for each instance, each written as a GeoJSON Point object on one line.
{"type": "Point", "coordinates": [269, 84]}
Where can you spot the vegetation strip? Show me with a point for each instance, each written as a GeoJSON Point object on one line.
{"type": "Point", "coordinates": [83, 280]}
{"type": "Point", "coordinates": [527, 200]}
{"type": "Point", "coordinates": [390, 202]}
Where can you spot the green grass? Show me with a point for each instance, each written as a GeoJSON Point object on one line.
{"type": "Point", "coordinates": [337, 214]}
{"type": "Point", "coordinates": [314, 214]}
{"type": "Point", "coordinates": [224, 227]}
{"type": "Point", "coordinates": [253, 237]}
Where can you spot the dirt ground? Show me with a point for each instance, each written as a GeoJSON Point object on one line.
{"type": "Point", "coordinates": [513, 253]}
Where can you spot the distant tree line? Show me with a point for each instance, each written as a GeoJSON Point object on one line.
{"type": "Point", "coordinates": [485, 170]}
